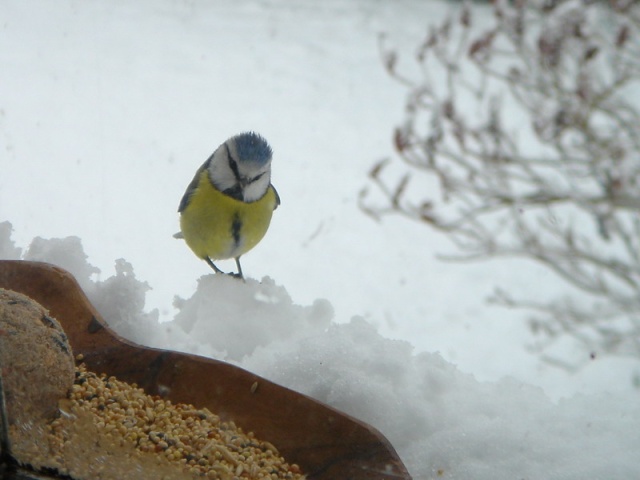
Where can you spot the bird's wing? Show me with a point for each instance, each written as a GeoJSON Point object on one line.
{"type": "Point", "coordinates": [193, 185]}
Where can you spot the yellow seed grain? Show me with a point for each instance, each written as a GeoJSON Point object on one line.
{"type": "Point", "coordinates": [180, 433]}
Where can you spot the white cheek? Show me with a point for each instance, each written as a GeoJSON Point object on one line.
{"type": "Point", "coordinates": [257, 189]}
{"type": "Point", "coordinates": [221, 175]}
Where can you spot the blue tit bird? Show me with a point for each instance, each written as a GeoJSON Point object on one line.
{"type": "Point", "coordinates": [227, 207]}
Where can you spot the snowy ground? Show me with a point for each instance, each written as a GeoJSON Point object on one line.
{"type": "Point", "coordinates": [107, 109]}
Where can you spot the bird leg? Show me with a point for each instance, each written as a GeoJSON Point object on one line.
{"type": "Point", "coordinates": [212, 265]}
{"type": "Point", "coordinates": [239, 274]}
{"type": "Point", "coordinates": [217, 270]}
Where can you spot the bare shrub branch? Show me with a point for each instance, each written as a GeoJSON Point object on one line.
{"type": "Point", "coordinates": [530, 131]}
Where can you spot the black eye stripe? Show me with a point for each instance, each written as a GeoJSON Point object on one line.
{"type": "Point", "coordinates": [233, 165]}
{"type": "Point", "coordinates": [256, 178]}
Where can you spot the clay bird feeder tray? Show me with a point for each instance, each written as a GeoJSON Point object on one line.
{"type": "Point", "coordinates": [325, 443]}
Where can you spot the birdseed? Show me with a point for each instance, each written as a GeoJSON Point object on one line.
{"type": "Point", "coordinates": [195, 439]}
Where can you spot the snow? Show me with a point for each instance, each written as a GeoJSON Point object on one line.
{"type": "Point", "coordinates": [444, 423]}
{"type": "Point", "coordinates": [108, 108]}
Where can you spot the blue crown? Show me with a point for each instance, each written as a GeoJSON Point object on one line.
{"type": "Point", "coordinates": [251, 147]}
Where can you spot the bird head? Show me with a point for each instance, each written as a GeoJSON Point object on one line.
{"type": "Point", "coordinates": [241, 167]}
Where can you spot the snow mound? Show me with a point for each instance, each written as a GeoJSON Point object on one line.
{"type": "Point", "coordinates": [237, 318]}
{"type": "Point", "coordinates": [443, 422]}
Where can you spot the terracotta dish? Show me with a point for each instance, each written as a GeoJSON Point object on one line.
{"type": "Point", "coordinates": [326, 443]}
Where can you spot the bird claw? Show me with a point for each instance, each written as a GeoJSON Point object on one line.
{"type": "Point", "coordinates": [236, 275]}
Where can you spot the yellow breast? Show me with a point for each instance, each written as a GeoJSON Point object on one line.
{"type": "Point", "coordinates": [218, 226]}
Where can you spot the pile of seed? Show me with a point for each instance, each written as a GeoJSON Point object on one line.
{"type": "Point", "coordinates": [194, 438]}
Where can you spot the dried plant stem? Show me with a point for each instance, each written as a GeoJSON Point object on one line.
{"type": "Point", "coordinates": [530, 139]}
